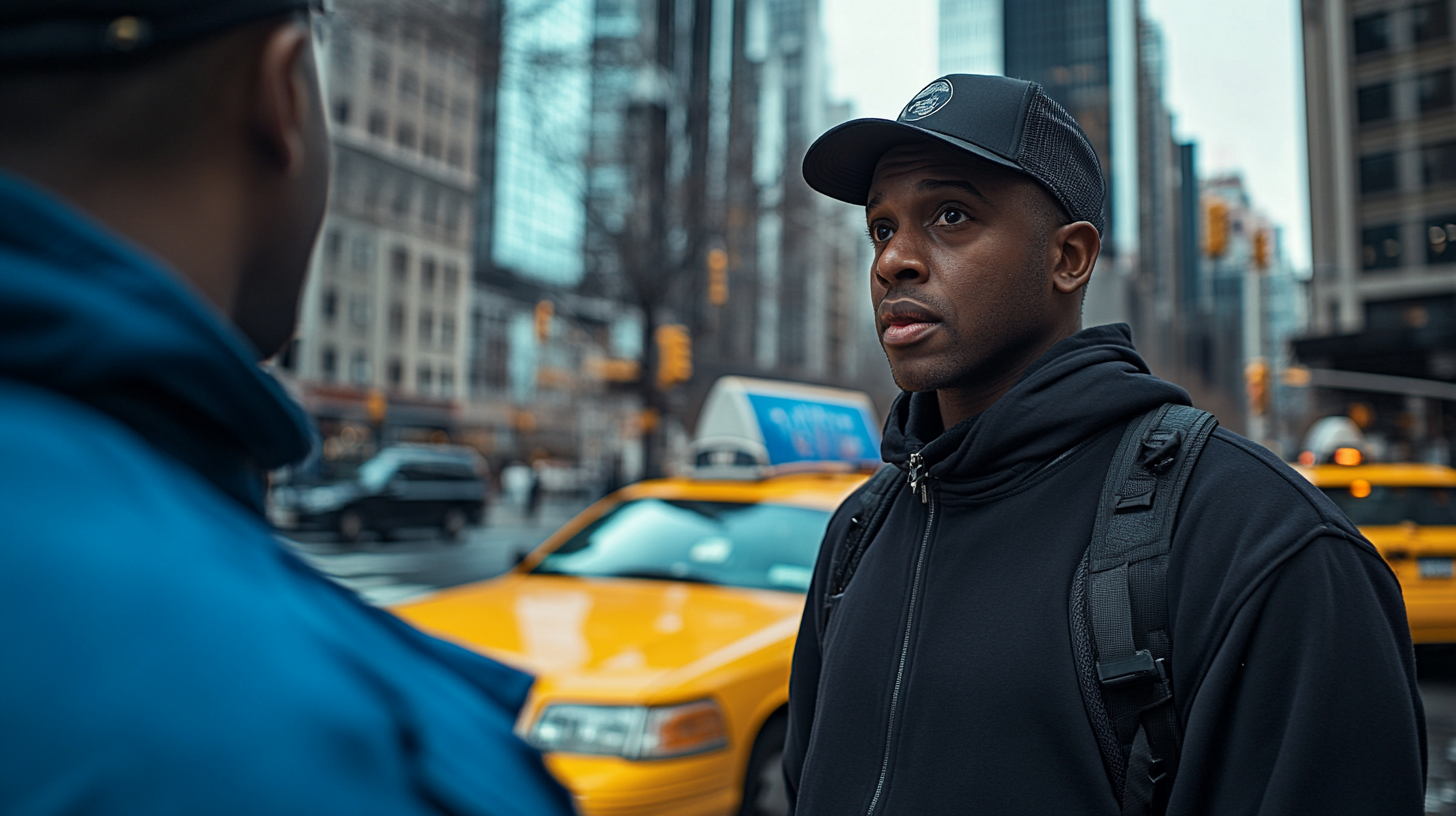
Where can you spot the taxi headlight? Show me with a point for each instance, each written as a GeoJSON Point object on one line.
{"type": "Point", "coordinates": [634, 732]}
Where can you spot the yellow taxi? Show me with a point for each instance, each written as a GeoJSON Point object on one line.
{"type": "Point", "coordinates": [1408, 511]}
{"type": "Point", "coordinates": [660, 623]}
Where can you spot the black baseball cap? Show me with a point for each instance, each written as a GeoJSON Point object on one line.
{"type": "Point", "coordinates": [38, 33]}
{"type": "Point", "coordinates": [1010, 122]}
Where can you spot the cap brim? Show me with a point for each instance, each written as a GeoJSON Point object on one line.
{"type": "Point", "coordinates": [841, 163]}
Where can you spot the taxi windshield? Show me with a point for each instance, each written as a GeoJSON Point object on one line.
{"type": "Point", "coordinates": [762, 546]}
{"type": "Point", "coordinates": [1433, 506]}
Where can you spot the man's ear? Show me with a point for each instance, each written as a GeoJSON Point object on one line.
{"type": "Point", "coordinates": [1075, 247]}
{"type": "Point", "coordinates": [283, 101]}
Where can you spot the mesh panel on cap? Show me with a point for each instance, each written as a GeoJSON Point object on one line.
{"type": "Point", "coordinates": [1056, 151]}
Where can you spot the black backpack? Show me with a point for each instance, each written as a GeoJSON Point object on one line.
{"type": "Point", "coordinates": [1118, 609]}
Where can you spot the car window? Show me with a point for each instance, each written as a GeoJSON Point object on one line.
{"type": "Point", "coordinates": [374, 473]}
{"type": "Point", "coordinates": [764, 546]}
{"type": "Point", "coordinates": [1383, 504]}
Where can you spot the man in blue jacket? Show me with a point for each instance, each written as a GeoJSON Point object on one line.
{"type": "Point", "coordinates": [163, 172]}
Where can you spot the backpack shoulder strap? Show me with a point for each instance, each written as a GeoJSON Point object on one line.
{"type": "Point", "coordinates": [875, 501]}
{"type": "Point", "coordinates": [1119, 610]}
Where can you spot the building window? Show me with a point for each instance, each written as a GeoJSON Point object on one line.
{"type": "Point", "coordinates": [452, 278]}
{"type": "Point", "coordinates": [452, 216]}
{"type": "Point", "coordinates": [430, 207]}
{"type": "Point", "coordinates": [1381, 248]}
{"type": "Point", "coordinates": [459, 109]}
{"type": "Point", "coordinates": [1441, 239]}
{"type": "Point", "coordinates": [341, 110]}
{"type": "Point", "coordinates": [1377, 173]}
{"type": "Point", "coordinates": [360, 314]}
{"type": "Point", "coordinates": [399, 264]}
{"type": "Point", "coordinates": [427, 273]}
{"type": "Point", "coordinates": [434, 99]}
{"type": "Point", "coordinates": [1372, 33]}
{"type": "Point", "coordinates": [1438, 162]}
{"type": "Point", "coordinates": [333, 247]}
{"type": "Point", "coordinates": [359, 371]}
{"type": "Point", "coordinates": [427, 328]}
{"type": "Point", "coordinates": [1434, 90]}
{"type": "Point", "coordinates": [447, 331]}
{"type": "Point", "coordinates": [379, 70]}
{"type": "Point", "coordinates": [403, 196]}
{"type": "Point", "coordinates": [361, 253]}
{"type": "Point", "coordinates": [329, 363]}
{"type": "Point", "coordinates": [409, 84]}
{"type": "Point", "coordinates": [396, 373]}
{"type": "Point", "coordinates": [423, 380]}
{"type": "Point", "coordinates": [405, 135]}
{"type": "Point", "coordinates": [377, 123]}
{"type": "Point", "coordinates": [1430, 20]}
{"type": "Point", "coordinates": [431, 147]}
{"type": "Point", "coordinates": [456, 156]}
{"type": "Point", "coordinates": [396, 320]}
{"type": "Point", "coordinates": [1373, 103]}
{"type": "Point", "coordinates": [447, 382]}
{"type": "Point", "coordinates": [329, 305]}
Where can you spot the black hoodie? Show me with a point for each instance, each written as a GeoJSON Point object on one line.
{"type": "Point", "coordinates": [946, 682]}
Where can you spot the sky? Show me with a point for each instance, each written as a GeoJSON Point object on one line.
{"type": "Point", "coordinates": [1234, 82]}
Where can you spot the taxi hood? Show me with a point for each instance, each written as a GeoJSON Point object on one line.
{"type": "Point", "coordinates": [610, 639]}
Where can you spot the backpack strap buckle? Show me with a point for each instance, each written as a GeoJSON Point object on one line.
{"type": "Point", "coordinates": [1139, 666]}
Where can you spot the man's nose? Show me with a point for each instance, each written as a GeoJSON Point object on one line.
{"type": "Point", "coordinates": [901, 261]}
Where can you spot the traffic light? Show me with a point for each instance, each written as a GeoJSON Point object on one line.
{"type": "Point", "coordinates": [674, 355]}
{"type": "Point", "coordinates": [544, 312]}
{"type": "Point", "coordinates": [717, 276]}
{"type": "Point", "coordinates": [1216, 231]}
{"type": "Point", "coordinates": [1261, 249]}
{"type": "Point", "coordinates": [1256, 380]}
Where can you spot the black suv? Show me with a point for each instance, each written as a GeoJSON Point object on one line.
{"type": "Point", "coordinates": [403, 486]}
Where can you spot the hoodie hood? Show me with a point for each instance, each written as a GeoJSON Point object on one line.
{"type": "Point", "coordinates": [1083, 385]}
{"type": "Point", "coordinates": [88, 316]}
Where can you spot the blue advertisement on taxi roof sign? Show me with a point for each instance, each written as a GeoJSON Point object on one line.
{"type": "Point", "coordinates": [797, 430]}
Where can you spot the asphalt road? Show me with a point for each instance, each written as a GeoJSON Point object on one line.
{"type": "Point", "coordinates": [387, 572]}
{"type": "Point", "coordinates": [391, 572]}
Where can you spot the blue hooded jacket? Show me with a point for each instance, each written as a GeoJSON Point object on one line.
{"type": "Point", "coordinates": [161, 653]}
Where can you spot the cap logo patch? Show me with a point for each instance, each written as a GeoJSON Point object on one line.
{"type": "Point", "coordinates": [928, 101]}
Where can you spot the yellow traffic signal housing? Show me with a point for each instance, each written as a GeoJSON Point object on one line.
{"type": "Point", "coordinates": [717, 276]}
{"type": "Point", "coordinates": [1256, 380]}
{"type": "Point", "coordinates": [674, 355]}
{"type": "Point", "coordinates": [544, 312]}
{"type": "Point", "coordinates": [1261, 249]}
{"type": "Point", "coordinates": [1215, 242]}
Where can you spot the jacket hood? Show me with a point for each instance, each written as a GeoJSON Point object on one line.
{"type": "Point", "coordinates": [86, 315]}
{"type": "Point", "coordinates": [1085, 384]}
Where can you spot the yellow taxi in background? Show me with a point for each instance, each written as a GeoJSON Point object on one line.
{"type": "Point", "coordinates": [660, 623]}
{"type": "Point", "coordinates": [1408, 511]}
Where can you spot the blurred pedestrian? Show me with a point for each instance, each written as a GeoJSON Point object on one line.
{"type": "Point", "coordinates": [164, 166]}
{"type": "Point", "coordinates": [1243, 650]}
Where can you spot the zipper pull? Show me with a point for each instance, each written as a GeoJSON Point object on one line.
{"type": "Point", "coordinates": [916, 476]}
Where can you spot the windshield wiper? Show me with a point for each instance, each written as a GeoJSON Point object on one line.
{"type": "Point", "coordinates": [662, 575]}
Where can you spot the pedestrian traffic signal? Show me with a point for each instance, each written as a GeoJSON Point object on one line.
{"type": "Point", "coordinates": [1256, 380]}
{"type": "Point", "coordinates": [717, 276]}
{"type": "Point", "coordinates": [674, 355]}
{"type": "Point", "coordinates": [1215, 235]}
{"type": "Point", "coordinates": [544, 312]}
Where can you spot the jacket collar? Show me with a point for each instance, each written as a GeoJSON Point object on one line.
{"type": "Point", "coordinates": [87, 315]}
{"type": "Point", "coordinates": [1084, 384]}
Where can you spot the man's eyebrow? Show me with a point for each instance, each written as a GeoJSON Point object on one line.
{"type": "Point", "coordinates": [875, 202]}
{"type": "Point", "coordinates": [954, 184]}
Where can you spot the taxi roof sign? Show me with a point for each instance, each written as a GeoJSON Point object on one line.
{"type": "Point", "coordinates": [770, 424]}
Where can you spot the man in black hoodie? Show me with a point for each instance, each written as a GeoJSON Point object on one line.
{"type": "Point", "coordinates": [945, 681]}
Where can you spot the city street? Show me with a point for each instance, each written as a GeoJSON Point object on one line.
{"type": "Point", "coordinates": [395, 571]}
{"type": "Point", "coordinates": [387, 572]}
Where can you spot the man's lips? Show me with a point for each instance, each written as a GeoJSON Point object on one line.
{"type": "Point", "coordinates": [906, 323]}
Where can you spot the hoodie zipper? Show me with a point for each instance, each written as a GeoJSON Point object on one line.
{"type": "Point", "coordinates": [918, 485]}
